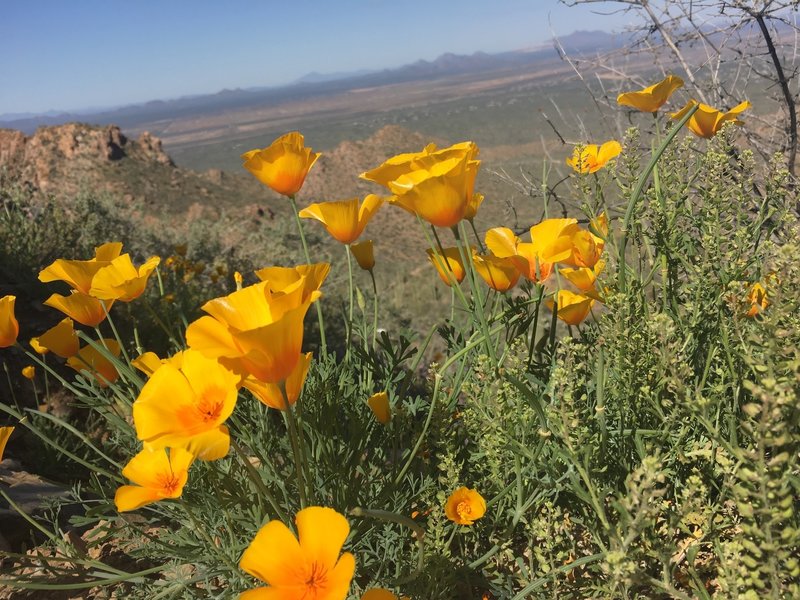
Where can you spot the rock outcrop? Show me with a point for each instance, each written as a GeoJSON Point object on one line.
{"type": "Point", "coordinates": [54, 159]}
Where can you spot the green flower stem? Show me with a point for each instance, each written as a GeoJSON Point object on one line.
{"type": "Point", "coordinates": [439, 257]}
{"type": "Point", "coordinates": [385, 515]}
{"type": "Point", "coordinates": [99, 582]}
{"type": "Point", "coordinates": [535, 328]}
{"type": "Point", "coordinates": [437, 381]}
{"type": "Point", "coordinates": [161, 324]}
{"type": "Point", "coordinates": [67, 385]}
{"type": "Point", "coordinates": [115, 332]}
{"type": "Point", "coordinates": [374, 309]}
{"type": "Point", "coordinates": [477, 237]}
{"type": "Point", "coordinates": [349, 328]}
{"type": "Point", "coordinates": [259, 483]}
{"type": "Point", "coordinates": [10, 384]}
{"type": "Point", "coordinates": [50, 442]}
{"type": "Point", "coordinates": [535, 585]}
{"type": "Point", "coordinates": [323, 344]}
{"type": "Point", "coordinates": [198, 527]}
{"type": "Point", "coordinates": [299, 466]}
{"type": "Point", "coordinates": [477, 296]}
{"type": "Point", "coordinates": [46, 379]}
{"type": "Point", "coordinates": [638, 192]}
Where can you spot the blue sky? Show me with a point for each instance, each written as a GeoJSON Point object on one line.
{"type": "Point", "coordinates": [69, 55]}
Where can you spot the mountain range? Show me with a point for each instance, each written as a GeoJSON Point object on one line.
{"type": "Point", "coordinates": [320, 85]}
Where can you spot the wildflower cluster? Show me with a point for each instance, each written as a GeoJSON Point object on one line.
{"type": "Point", "coordinates": [496, 472]}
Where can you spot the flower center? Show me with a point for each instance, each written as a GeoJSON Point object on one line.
{"type": "Point", "coordinates": [464, 510]}
{"type": "Point", "coordinates": [169, 483]}
{"type": "Point", "coordinates": [209, 405]}
{"type": "Point", "coordinates": [316, 579]}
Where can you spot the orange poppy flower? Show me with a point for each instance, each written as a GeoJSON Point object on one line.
{"type": "Point", "coordinates": [707, 120]}
{"type": "Point", "coordinates": [379, 403]}
{"type": "Point", "coordinates": [650, 99]}
{"type": "Point", "coordinates": [283, 165]}
{"type": "Point", "coordinates": [121, 280]}
{"type": "Point", "coordinates": [79, 273]}
{"type": "Point", "coordinates": [270, 394]}
{"type": "Point", "coordinates": [465, 506]}
{"type": "Point", "coordinates": [60, 340]}
{"type": "Point", "coordinates": [364, 254]}
{"type": "Point", "coordinates": [344, 220]}
{"type": "Point", "coordinates": [91, 361]}
{"type": "Point", "coordinates": [592, 158]}
{"type": "Point", "coordinates": [156, 475]}
{"type": "Point", "coordinates": [302, 567]}
{"type": "Point", "coordinates": [9, 327]}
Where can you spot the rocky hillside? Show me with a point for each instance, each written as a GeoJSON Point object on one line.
{"type": "Point", "coordinates": [63, 160]}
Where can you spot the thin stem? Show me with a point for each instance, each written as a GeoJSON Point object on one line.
{"type": "Point", "coordinates": [349, 328]}
{"type": "Point", "coordinates": [198, 527]}
{"type": "Point", "coordinates": [477, 237]}
{"type": "Point", "coordinates": [374, 309]}
{"type": "Point", "coordinates": [638, 192]}
{"type": "Point", "coordinates": [441, 260]}
{"type": "Point", "coordinates": [535, 325]}
{"type": "Point", "coordinates": [115, 332]}
{"type": "Point", "coordinates": [385, 515]}
{"type": "Point", "coordinates": [295, 442]}
{"type": "Point", "coordinates": [259, 483]}
{"type": "Point", "coordinates": [477, 296]}
{"type": "Point", "coordinates": [323, 344]}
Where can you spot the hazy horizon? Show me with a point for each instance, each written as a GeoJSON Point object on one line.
{"type": "Point", "coordinates": [85, 58]}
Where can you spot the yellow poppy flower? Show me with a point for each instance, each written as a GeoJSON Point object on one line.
{"type": "Point", "coordinates": [501, 241]}
{"type": "Point", "coordinates": [91, 361]}
{"type": "Point", "coordinates": [591, 158]}
{"type": "Point", "coordinates": [285, 279]}
{"type": "Point", "coordinates": [283, 165]}
{"type": "Point", "coordinates": [306, 566]}
{"type": "Point", "coordinates": [707, 121]}
{"type": "Point", "coordinates": [255, 330]}
{"type": "Point", "coordinates": [450, 266]}
{"type": "Point", "coordinates": [583, 278]}
{"type": "Point", "coordinates": [402, 164]}
{"type": "Point", "coordinates": [121, 280]}
{"type": "Point", "coordinates": [202, 395]}
{"type": "Point", "coordinates": [344, 220]}
{"type": "Point", "coordinates": [650, 99]}
{"type": "Point", "coordinates": [757, 298]}
{"type": "Point", "coordinates": [439, 194]}
{"type": "Point", "coordinates": [500, 274]}
{"type": "Point", "coordinates": [586, 250]}
{"type": "Point", "coordinates": [473, 205]}
{"type": "Point", "coordinates": [524, 255]}
{"type": "Point", "coordinates": [156, 475]}
{"type": "Point", "coordinates": [398, 165]}
{"type": "Point", "coordinates": [80, 307]}
{"type": "Point", "coordinates": [435, 184]}
{"type": "Point", "coordinates": [553, 239]}
{"type": "Point", "coordinates": [5, 433]}
{"type": "Point", "coordinates": [465, 506]}
{"type": "Point", "coordinates": [379, 403]}
{"type": "Point", "coordinates": [530, 264]}
{"type": "Point", "coordinates": [572, 308]}
{"type": "Point", "coordinates": [270, 394]}
{"type": "Point", "coordinates": [364, 254]}
{"type": "Point", "coordinates": [9, 327]}
{"type": "Point", "coordinates": [149, 362]}
{"type": "Point", "coordinates": [79, 273]}
{"type": "Point", "coordinates": [60, 340]}
{"type": "Point", "coordinates": [29, 372]}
